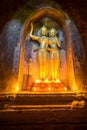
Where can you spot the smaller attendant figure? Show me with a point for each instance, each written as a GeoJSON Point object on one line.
{"type": "Point", "coordinates": [54, 55]}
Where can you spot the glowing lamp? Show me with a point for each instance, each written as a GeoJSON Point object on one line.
{"type": "Point", "coordinates": [16, 88]}
{"type": "Point", "coordinates": [65, 88]}
{"type": "Point", "coordinates": [49, 89]}
{"type": "Point", "coordinates": [37, 81]}
{"type": "Point", "coordinates": [35, 89]}
{"type": "Point", "coordinates": [46, 80]}
{"type": "Point", "coordinates": [57, 80]}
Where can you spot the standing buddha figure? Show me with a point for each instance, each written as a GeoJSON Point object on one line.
{"type": "Point", "coordinates": [42, 54]}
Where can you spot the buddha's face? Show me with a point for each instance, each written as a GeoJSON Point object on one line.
{"type": "Point", "coordinates": [52, 32]}
{"type": "Point", "coordinates": [43, 31]}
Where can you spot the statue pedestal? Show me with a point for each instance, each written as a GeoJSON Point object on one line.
{"type": "Point", "coordinates": [45, 86]}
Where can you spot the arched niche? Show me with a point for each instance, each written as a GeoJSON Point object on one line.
{"type": "Point", "coordinates": [61, 19]}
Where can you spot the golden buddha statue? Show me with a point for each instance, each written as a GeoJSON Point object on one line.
{"type": "Point", "coordinates": [54, 55]}
{"type": "Point", "coordinates": [42, 55]}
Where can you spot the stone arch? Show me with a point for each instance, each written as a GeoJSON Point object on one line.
{"type": "Point", "coordinates": [61, 19]}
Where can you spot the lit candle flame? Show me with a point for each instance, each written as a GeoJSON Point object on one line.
{"type": "Point", "coordinates": [37, 81]}
{"type": "Point", "coordinates": [57, 80]}
{"type": "Point", "coordinates": [16, 87]}
{"type": "Point", "coordinates": [49, 89]}
{"type": "Point", "coordinates": [34, 89]}
{"type": "Point", "coordinates": [65, 88]}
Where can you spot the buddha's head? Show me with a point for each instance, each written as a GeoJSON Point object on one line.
{"type": "Point", "coordinates": [43, 31]}
{"type": "Point", "coordinates": [52, 32]}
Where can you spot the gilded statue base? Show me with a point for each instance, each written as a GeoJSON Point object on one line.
{"type": "Point", "coordinates": [45, 86]}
